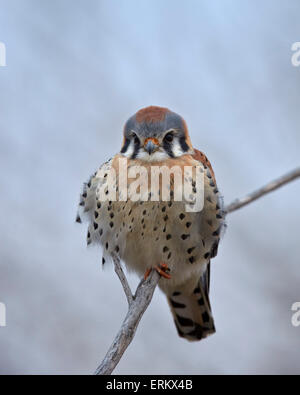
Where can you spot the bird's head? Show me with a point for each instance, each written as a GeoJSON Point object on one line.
{"type": "Point", "coordinates": [156, 134]}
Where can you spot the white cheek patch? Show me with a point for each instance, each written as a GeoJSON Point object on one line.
{"type": "Point", "coordinates": [176, 148]}
{"type": "Point", "coordinates": [130, 150]}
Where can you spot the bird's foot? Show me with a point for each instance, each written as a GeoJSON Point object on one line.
{"type": "Point", "coordinates": [162, 269]}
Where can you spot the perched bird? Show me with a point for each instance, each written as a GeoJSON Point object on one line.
{"type": "Point", "coordinates": [158, 234]}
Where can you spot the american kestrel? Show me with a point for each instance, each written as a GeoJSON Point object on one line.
{"type": "Point", "coordinates": [158, 234]}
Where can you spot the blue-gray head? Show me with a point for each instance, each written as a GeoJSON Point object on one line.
{"type": "Point", "coordinates": [155, 134]}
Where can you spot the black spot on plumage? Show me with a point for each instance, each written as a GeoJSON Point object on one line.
{"type": "Point", "coordinates": [207, 255]}
{"type": "Point", "coordinates": [163, 209]}
{"type": "Point", "coordinates": [188, 224]}
{"type": "Point", "coordinates": [144, 212]}
{"type": "Point", "coordinates": [205, 317]}
{"type": "Point", "coordinates": [209, 199]}
{"type": "Point", "coordinates": [197, 290]}
{"type": "Point", "coordinates": [78, 219]}
{"type": "Point", "coordinates": [216, 190]}
{"type": "Point", "coordinates": [214, 249]}
{"type": "Point", "coordinates": [84, 195]}
{"type": "Point", "coordinates": [201, 302]}
{"type": "Point", "coordinates": [101, 232]}
{"type": "Point", "coordinates": [177, 305]}
{"type": "Point", "coordinates": [95, 225]}
{"type": "Point", "coordinates": [106, 192]}
{"type": "Point", "coordinates": [106, 246]}
{"type": "Point", "coordinates": [111, 224]}
{"type": "Point", "coordinates": [112, 215]}
{"type": "Point", "coordinates": [168, 237]}
{"type": "Point", "coordinates": [176, 293]}
{"type": "Point", "coordinates": [190, 250]}
{"type": "Point", "coordinates": [192, 259]}
{"type": "Point", "coordinates": [103, 260]}
{"type": "Point", "coordinates": [184, 321]}
{"type": "Point", "coordinates": [130, 212]}
{"type": "Point", "coordinates": [217, 232]}
{"type": "Point", "coordinates": [155, 229]}
{"type": "Point", "coordinates": [181, 216]}
{"type": "Point", "coordinates": [212, 184]}
{"type": "Point", "coordinates": [166, 217]}
{"type": "Point", "coordinates": [165, 249]}
{"type": "Point", "coordinates": [81, 203]}
{"type": "Point", "coordinates": [169, 255]}
{"type": "Point", "coordinates": [170, 204]}
{"type": "Point", "coordinates": [197, 332]}
{"type": "Point", "coordinates": [98, 205]}
{"type": "Point", "coordinates": [117, 249]}
{"type": "Point", "coordinates": [219, 216]}
{"type": "Point", "coordinates": [184, 237]}
{"type": "Point", "coordinates": [217, 207]}
{"type": "Point", "coordinates": [209, 222]}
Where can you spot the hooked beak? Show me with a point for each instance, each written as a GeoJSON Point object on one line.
{"type": "Point", "coordinates": [151, 145]}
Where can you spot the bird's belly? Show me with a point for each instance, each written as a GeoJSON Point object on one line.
{"type": "Point", "coordinates": [157, 232]}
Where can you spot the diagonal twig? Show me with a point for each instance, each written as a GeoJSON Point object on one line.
{"type": "Point", "coordinates": [138, 306]}
{"type": "Point", "coordinates": [271, 186]}
{"type": "Point", "coordinates": [123, 279]}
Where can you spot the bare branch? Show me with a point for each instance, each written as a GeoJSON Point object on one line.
{"type": "Point", "coordinates": [143, 296]}
{"type": "Point", "coordinates": [279, 182]}
{"type": "Point", "coordinates": [123, 279]}
{"type": "Point", "coordinates": [138, 306]}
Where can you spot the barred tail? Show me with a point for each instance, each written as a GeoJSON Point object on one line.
{"type": "Point", "coordinates": [192, 312]}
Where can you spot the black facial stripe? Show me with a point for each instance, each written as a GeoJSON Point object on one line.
{"type": "Point", "coordinates": [168, 148]}
{"type": "Point", "coordinates": [183, 144]}
{"type": "Point", "coordinates": [137, 145]}
{"type": "Point", "coordinates": [125, 146]}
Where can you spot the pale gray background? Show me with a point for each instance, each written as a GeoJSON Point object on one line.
{"type": "Point", "coordinates": [76, 70]}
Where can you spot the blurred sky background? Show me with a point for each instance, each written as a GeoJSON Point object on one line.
{"type": "Point", "coordinates": [76, 70]}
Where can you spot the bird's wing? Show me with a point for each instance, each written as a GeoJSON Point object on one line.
{"type": "Point", "coordinates": [88, 199]}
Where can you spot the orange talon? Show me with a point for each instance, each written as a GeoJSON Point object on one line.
{"type": "Point", "coordinates": [162, 269]}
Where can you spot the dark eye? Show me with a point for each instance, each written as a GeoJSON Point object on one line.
{"type": "Point", "coordinates": [135, 138]}
{"type": "Point", "coordinates": [169, 137]}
